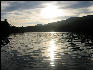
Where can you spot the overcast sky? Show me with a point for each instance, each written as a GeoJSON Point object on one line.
{"type": "Point", "coordinates": [26, 13]}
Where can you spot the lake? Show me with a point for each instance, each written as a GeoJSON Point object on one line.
{"type": "Point", "coordinates": [48, 51]}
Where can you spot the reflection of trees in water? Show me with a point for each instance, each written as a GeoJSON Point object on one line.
{"type": "Point", "coordinates": [4, 39]}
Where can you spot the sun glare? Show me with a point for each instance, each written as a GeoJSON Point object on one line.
{"type": "Point", "coordinates": [52, 50]}
{"type": "Point", "coordinates": [50, 11]}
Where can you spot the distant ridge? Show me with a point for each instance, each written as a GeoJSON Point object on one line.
{"type": "Point", "coordinates": [72, 24]}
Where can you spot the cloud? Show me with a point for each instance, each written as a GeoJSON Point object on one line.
{"type": "Point", "coordinates": [30, 17]}
{"type": "Point", "coordinates": [81, 4]}
{"type": "Point", "coordinates": [22, 5]}
{"type": "Point", "coordinates": [90, 8]}
{"type": "Point", "coordinates": [4, 5]}
{"type": "Point", "coordinates": [75, 4]}
{"type": "Point", "coordinates": [66, 4]}
{"type": "Point", "coordinates": [28, 12]}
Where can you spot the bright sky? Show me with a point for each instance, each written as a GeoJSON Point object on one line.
{"type": "Point", "coordinates": [27, 13]}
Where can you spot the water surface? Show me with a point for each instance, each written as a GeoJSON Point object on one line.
{"type": "Point", "coordinates": [48, 51]}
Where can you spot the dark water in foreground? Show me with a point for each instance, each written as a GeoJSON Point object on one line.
{"type": "Point", "coordinates": [48, 51]}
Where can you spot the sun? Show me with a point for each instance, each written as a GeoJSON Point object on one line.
{"type": "Point", "coordinates": [50, 12]}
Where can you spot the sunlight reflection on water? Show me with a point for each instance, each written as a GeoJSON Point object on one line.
{"type": "Point", "coordinates": [52, 50]}
{"type": "Point", "coordinates": [46, 50]}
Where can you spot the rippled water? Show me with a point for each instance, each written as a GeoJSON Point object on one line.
{"type": "Point", "coordinates": [48, 51]}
